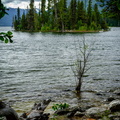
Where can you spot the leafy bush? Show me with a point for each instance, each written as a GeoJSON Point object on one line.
{"type": "Point", "coordinates": [83, 27]}
{"type": "Point", "coordinates": [60, 106]}
{"type": "Point", "coordinates": [46, 27]}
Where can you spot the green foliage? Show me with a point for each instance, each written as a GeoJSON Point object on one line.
{"type": "Point", "coordinates": [84, 27]}
{"type": "Point", "coordinates": [2, 10]}
{"type": "Point", "coordinates": [93, 26]}
{"type": "Point", "coordinates": [6, 37]}
{"type": "Point", "coordinates": [104, 25]}
{"type": "Point", "coordinates": [60, 106]}
{"type": "Point", "coordinates": [45, 28]}
{"type": "Point", "coordinates": [111, 9]}
{"type": "Point", "coordinates": [56, 15]}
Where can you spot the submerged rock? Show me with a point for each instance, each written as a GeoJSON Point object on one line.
{"type": "Point", "coordinates": [114, 106]}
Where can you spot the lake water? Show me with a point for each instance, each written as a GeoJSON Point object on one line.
{"type": "Point", "coordinates": [38, 65]}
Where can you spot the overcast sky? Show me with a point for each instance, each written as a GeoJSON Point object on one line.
{"type": "Point", "coordinates": [19, 3]}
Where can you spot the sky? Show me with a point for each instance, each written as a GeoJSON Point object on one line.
{"type": "Point", "coordinates": [19, 3]}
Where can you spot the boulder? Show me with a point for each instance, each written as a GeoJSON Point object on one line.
{"type": "Point", "coordinates": [114, 106]}
{"type": "Point", "coordinates": [95, 112]}
{"type": "Point", "coordinates": [8, 112]}
{"type": "Point", "coordinates": [117, 92]}
{"type": "Point", "coordinates": [34, 114]}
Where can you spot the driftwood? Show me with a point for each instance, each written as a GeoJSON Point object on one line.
{"type": "Point", "coordinates": [8, 112]}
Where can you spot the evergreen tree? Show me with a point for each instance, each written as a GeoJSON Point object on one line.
{"type": "Point", "coordinates": [23, 22]}
{"type": "Point", "coordinates": [111, 9]}
{"type": "Point", "coordinates": [30, 16]}
{"type": "Point", "coordinates": [18, 15]}
{"type": "Point", "coordinates": [81, 14]}
{"type": "Point", "coordinates": [55, 14]}
{"type": "Point", "coordinates": [36, 22]}
{"type": "Point", "coordinates": [96, 18]}
{"type": "Point", "coordinates": [43, 13]}
{"type": "Point", "coordinates": [89, 13]}
{"type": "Point", "coordinates": [73, 16]}
{"type": "Point", "coordinates": [62, 14]}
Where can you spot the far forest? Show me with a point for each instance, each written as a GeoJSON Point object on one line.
{"type": "Point", "coordinates": [58, 15]}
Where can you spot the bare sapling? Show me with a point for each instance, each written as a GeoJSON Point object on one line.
{"type": "Point", "coordinates": [81, 66]}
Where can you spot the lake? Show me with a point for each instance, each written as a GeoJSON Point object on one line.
{"type": "Point", "coordinates": [38, 66]}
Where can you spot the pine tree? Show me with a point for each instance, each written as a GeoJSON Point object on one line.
{"type": "Point", "coordinates": [81, 14]}
{"type": "Point", "coordinates": [96, 13]}
{"type": "Point", "coordinates": [89, 13]}
{"type": "Point", "coordinates": [73, 17]}
{"type": "Point", "coordinates": [62, 15]}
{"type": "Point", "coordinates": [36, 22]}
{"type": "Point", "coordinates": [55, 14]}
{"type": "Point", "coordinates": [18, 15]}
{"type": "Point", "coordinates": [30, 16]}
{"type": "Point", "coordinates": [43, 13]}
{"type": "Point", "coordinates": [23, 22]}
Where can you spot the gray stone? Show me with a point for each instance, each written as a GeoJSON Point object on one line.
{"type": "Point", "coordinates": [62, 112]}
{"type": "Point", "coordinates": [8, 112]}
{"type": "Point", "coordinates": [113, 117]}
{"type": "Point", "coordinates": [117, 92]}
{"type": "Point", "coordinates": [34, 114]}
{"type": "Point", "coordinates": [114, 106]}
{"type": "Point", "coordinates": [95, 112]}
{"type": "Point", "coordinates": [79, 114]}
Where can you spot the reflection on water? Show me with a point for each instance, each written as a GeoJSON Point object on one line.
{"type": "Point", "coordinates": [38, 65]}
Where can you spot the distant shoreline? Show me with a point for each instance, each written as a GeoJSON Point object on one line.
{"type": "Point", "coordinates": [59, 31]}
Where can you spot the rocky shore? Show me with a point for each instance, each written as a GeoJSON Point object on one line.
{"type": "Point", "coordinates": [110, 110]}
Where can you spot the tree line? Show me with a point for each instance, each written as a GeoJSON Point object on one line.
{"type": "Point", "coordinates": [111, 11]}
{"type": "Point", "coordinates": [57, 15]}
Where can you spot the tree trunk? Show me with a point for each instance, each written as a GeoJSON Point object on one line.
{"type": "Point", "coordinates": [78, 87]}
{"type": "Point", "coordinates": [8, 112]}
{"type": "Point", "coordinates": [63, 29]}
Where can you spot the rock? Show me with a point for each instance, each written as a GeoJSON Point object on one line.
{"type": "Point", "coordinates": [70, 114]}
{"type": "Point", "coordinates": [41, 106]}
{"type": "Point", "coordinates": [8, 112]}
{"type": "Point", "coordinates": [62, 112]}
{"type": "Point", "coordinates": [117, 92]}
{"type": "Point", "coordinates": [114, 106]}
{"type": "Point", "coordinates": [34, 114]}
{"type": "Point", "coordinates": [110, 99]}
{"type": "Point", "coordinates": [79, 114]}
{"type": "Point", "coordinates": [114, 117]}
{"type": "Point", "coordinates": [73, 110]}
{"type": "Point", "coordinates": [24, 115]}
{"type": "Point", "coordinates": [37, 115]}
{"type": "Point", "coordinates": [95, 112]}
{"type": "Point", "coordinates": [47, 101]}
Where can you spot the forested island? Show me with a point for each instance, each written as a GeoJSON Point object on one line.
{"type": "Point", "coordinates": [57, 15]}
